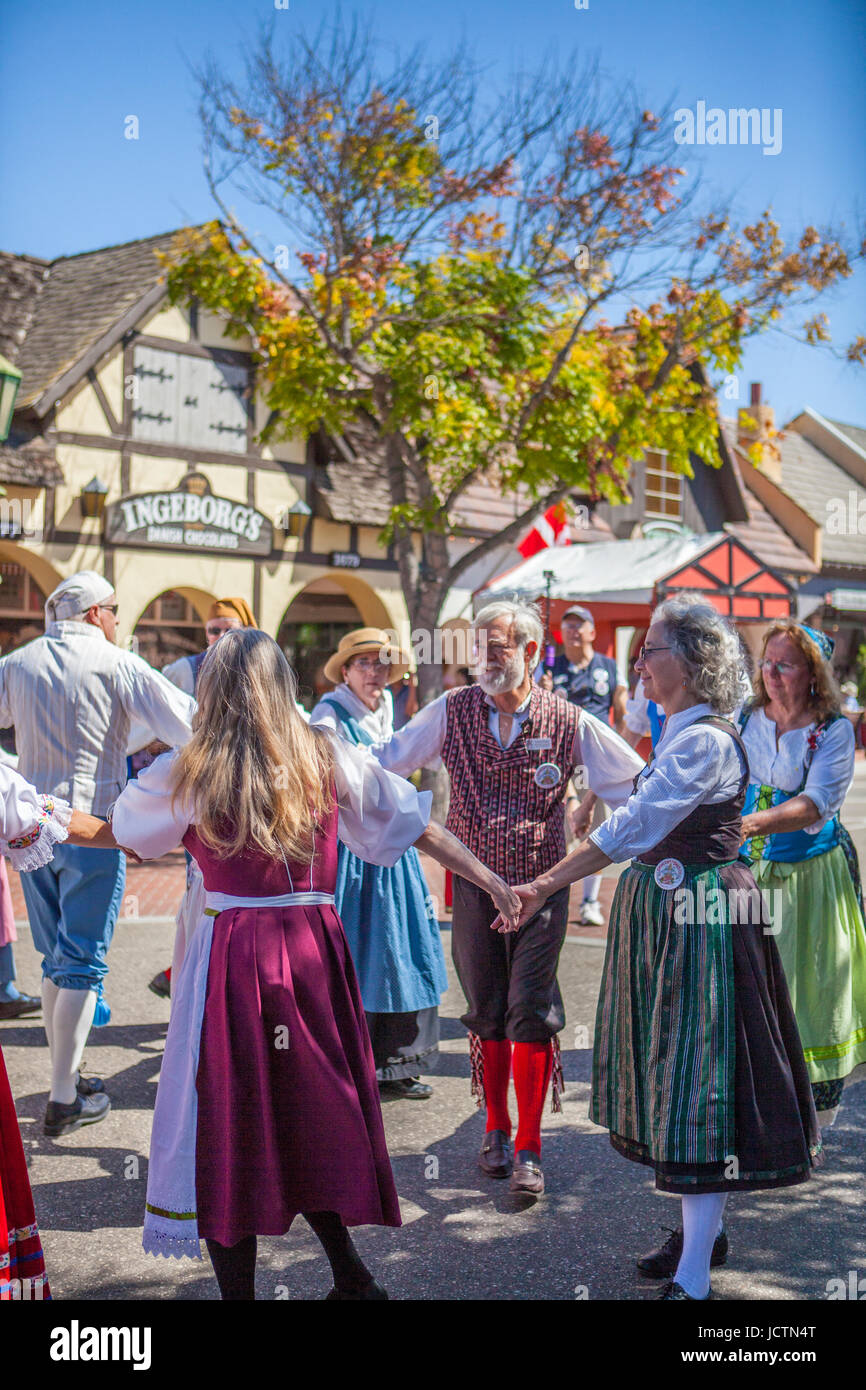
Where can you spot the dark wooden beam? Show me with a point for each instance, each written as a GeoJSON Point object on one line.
{"type": "Point", "coordinates": [113, 424]}
{"type": "Point", "coordinates": [176, 451]}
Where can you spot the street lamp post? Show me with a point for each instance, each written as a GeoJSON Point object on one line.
{"type": "Point", "coordinates": [549, 653]}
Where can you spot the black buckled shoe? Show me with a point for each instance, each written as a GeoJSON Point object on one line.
{"type": "Point", "coordinates": [405, 1088]}
{"type": "Point", "coordinates": [495, 1156]}
{"type": "Point", "coordinates": [84, 1110]}
{"type": "Point", "coordinates": [662, 1262]}
{"type": "Point", "coordinates": [527, 1178]}
{"type": "Point", "coordinates": [672, 1292]}
{"type": "Point", "coordinates": [89, 1085]}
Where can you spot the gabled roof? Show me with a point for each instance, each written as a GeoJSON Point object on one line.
{"type": "Point", "coordinates": [762, 533]}
{"type": "Point", "coordinates": [74, 308]}
{"type": "Point", "coordinates": [853, 432]}
{"type": "Point", "coordinates": [820, 486]}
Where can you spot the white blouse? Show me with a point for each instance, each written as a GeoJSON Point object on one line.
{"type": "Point", "coordinates": [378, 723]}
{"type": "Point", "coordinates": [830, 774]}
{"type": "Point", "coordinates": [692, 765]}
{"type": "Point", "coordinates": [380, 815]}
{"type": "Point", "coordinates": [611, 765]}
{"type": "Point", "coordinates": [31, 824]}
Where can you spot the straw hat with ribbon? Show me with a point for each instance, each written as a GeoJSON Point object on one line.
{"type": "Point", "coordinates": [366, 639]}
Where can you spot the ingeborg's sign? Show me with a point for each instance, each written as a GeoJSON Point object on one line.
{"type": "Point", "coordinates": [189, 520]}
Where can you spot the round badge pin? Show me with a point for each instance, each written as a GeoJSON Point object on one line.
{"type": "Point", "coordinates": [669, 873]}
{"type": "Point", "coordinates": [548, 775]}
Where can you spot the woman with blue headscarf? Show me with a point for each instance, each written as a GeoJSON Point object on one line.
{"type": "Point", "coordinates": [801, 759]}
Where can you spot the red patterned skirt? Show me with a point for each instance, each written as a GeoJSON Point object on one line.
{"type": "Point", "coordinates": [22, 1267]}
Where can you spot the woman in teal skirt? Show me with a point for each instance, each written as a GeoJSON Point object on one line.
{"type": "Point", "coordinates": [801, 759]}
{"type": "Point", "coordinates": [387, 914]}
{"type": "Point", "coordinates": [698, 1070]}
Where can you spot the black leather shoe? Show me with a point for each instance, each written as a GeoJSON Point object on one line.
{"type": "Point", "coordinates": [405, 1088]}
{"type": "Point", "coordinates": [161, 985]}
{"type": "Point", "coordinates": [495, 1156]}
{"type": "Point", "coordinates": [662, 1262]}
{"type": "Point", "coordinates": [17, 1008]}
{"type": "Point", "coordinates": [672, 1292]}
{"type": "Point", "coordinates": [84, 1110]}
{"type": "Point", "coordinates": [371, 1291]}
{"type": "Point", "coordinates": [527, 1176]}
{"type": "Point", "coordinates": [89, 1085]}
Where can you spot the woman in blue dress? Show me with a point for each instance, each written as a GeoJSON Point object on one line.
{"type": "Point", "coordinates": [388, 914]}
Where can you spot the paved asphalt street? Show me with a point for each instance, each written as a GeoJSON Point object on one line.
{"type": "Point", "coordinates": [463, 1236]}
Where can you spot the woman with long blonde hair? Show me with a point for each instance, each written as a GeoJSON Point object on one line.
{"type": "Point", "coordinates": [267, 1104]}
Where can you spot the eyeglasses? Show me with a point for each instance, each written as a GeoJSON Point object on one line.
{"type": "Point", "coordinates": [782, 668]}
{"type": "Point", "coordinates": [213, 631]}
{"type": "Point", "coordinates": [371, 663]}
{"type": "Point", "coordinates": [651, 651]}
{"type": "Point", "coordinates": [109, 608]}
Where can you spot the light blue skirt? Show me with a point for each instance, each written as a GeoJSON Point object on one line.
{"type": "Point", "coordinates": [393, 934]}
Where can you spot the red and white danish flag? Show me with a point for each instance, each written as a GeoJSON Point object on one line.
{"type": "Point", "coordinates": [551, 529]}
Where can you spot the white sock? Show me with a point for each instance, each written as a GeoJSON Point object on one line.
{"type": "Point", "coordinates": [50, 992]}
{"type": "Point", "coordinates": [73, 1015]}
{"type": "Point", "coordinates": [591, 888]}
{"type": "Point", "coordinates": [702, 1215]}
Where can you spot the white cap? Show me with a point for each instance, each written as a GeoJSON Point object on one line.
{"type": "Point", "coordinates": [76, 594]}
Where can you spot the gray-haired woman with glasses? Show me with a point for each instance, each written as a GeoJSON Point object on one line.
{"type": "Point", "coordinates": [698, 1070]}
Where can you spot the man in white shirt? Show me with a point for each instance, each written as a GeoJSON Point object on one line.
{"type": "Point", "coordinates": [71, 695]}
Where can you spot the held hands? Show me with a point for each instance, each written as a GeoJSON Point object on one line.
{"type": "Point", "coordinates": [532, 899]}
{"type": "Point", "coordinates": [580, 820]}
{"type": "Point", "coordinates": [509, 904]}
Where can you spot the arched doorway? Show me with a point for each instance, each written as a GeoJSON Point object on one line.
{"type": "Point", "coordinates": [171, 626]}
{"type": "Point", "coordinates": [310, 631]}
{"type": "Point", "coordinates": [25, 582]}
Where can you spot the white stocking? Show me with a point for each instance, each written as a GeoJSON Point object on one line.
{"type": "Point", "coordinates": [702, 1215]}
{"type": "Point", "coordinates": [591, 888]}
{"type": "Point", "coordinates": [73, 1015]}
{"type": "Point", "coordinates": [50, 992]}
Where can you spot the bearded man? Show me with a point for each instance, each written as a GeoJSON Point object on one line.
{"type": "Point", "coordinates": [510, 749]}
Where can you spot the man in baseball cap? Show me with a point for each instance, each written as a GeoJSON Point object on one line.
{"type": "Point", "coordinates": [592, 681]}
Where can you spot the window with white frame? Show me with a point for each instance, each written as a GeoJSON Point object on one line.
{"type": "Point", "coordinates": [664, 488]}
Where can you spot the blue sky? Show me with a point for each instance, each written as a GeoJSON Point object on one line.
{"type": "Point", "coordinates": [70, 74]}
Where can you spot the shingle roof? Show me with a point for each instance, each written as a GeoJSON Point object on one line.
{"type": "Point", "coordinates": [762, 533]}
{"type": "Point", "coordinates": [854, 433]}
{"type": "Point", "coordinates": [21, 279]}
{"type": "Point", "coordinates": [29, 465]}
{"type": "Point", "coordinates": [817, 483]}
{"type": "Point", "coordinates": [355, 489]}
{"type": "Point", "coordinates": [78, 301]}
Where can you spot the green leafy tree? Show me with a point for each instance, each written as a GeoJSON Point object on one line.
{"type": "Point", "coordinates": [453, 269]}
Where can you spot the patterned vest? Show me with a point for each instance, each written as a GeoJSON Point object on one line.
{"type": "Point", "coordinates": [497, 809]}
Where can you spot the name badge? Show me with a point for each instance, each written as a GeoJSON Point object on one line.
{"type": "Point", "coordinates": [547, 775]}
{"type": "Point", "coordinates": [539, 743]}
{"type": "Point", "coordinates": [669, 873]}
